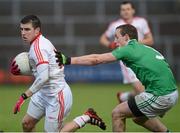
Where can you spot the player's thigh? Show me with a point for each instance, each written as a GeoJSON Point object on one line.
{"type": "Point", "coordinates": [36, 107]}
{"type": "Point", "coordinates": [65, 102]}
{"type": "Point", "coordinates": [58, 109]}
{"type": "Point", "coordinates": [140, 120]}
{"type": "Point", "coordinates": [122, 110]}
{"type": "Point", "coordinates": [152, 106]}
{"type": "Point", "coordinates": [53, 111]}
{"type": "Point", "coordinates": [152, 124]}
{"type": "Point", "coordinates": [33, 115]}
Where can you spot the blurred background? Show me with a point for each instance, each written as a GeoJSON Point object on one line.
{"type": "Point", "coordinates": [74, 27]}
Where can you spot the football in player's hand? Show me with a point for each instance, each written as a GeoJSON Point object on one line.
{"type": "Point", "coordinates": [20, 65]}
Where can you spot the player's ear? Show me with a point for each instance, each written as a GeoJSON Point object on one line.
{"type": "Point", "coordinates": [126, 37]}
{"type": "Point", "coordinates": [38, 29]}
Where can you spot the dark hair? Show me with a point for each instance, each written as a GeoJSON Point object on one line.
{"type": "Point", "coordinates": [33, 19]}
{"type": "Point", "coordinates": [128, 29]}
{"type": "Point", "coordinates": [127, 2]}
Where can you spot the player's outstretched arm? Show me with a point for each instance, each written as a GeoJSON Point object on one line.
{"type": "Point", "coordinates": [92, 59]}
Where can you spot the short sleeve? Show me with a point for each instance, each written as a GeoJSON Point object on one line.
{"type": "Point", "coordinates": [121, 53]}
{"type": "Point", "coordinates": [110, 31]}
{"type": "Point", "coordinates": [145, 26]}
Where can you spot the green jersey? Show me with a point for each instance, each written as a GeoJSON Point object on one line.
{"type": "Point", "coordinates": [149, 66]}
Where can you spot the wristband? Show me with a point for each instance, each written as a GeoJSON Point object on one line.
{"type": "Point", "coordinates": [24, 96]}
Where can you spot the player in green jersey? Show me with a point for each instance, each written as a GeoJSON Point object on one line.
{"type": "Point", "coordinates": [151, 69]}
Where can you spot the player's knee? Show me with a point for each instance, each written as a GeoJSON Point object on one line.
{"type": "Point", "coordinates": [140, 121]}
{"type": "Point", "coordinates": [137, 121]}
{"type": "Point", "coordinates": [116, 113]}
{"type": "Point", "coordinates": [27, 125]}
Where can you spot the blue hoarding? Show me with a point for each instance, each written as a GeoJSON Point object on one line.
{"type": "Point", "coordinates": [99, 73]}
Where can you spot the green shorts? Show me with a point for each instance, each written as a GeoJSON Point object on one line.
{"type": "Point", "coordinates": [149, 105]}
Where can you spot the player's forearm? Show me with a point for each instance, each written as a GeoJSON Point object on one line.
{"type": "Point", "coordinates": [148, 40]}
{"type": "Point", "coordinates": [93, 59]}
{"type": "Point", "coordinates": [41, 79]}
{"type": "Point", "coordinates": [85, 60]}
{"type": "Point", "coordinates": [104, 41]}
{"type": "Point", "coordinates": [28, 93]}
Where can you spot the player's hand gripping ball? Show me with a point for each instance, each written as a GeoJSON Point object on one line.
{"type": "Point", "coordinates": [20, 65]}
{"type": "Point", "coordinates": [14, 68]}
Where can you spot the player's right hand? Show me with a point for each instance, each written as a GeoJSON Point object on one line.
{"type": "Point", "coordinates": [62, 59]}
{"type": "Point", "coordinates": [113, 45]}
{"type": "Point", "coordinates": [14, 68]}
{"type": "Point", "coordinates": [19, 103]}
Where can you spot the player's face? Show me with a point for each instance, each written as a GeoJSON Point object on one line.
{"type": "Point", "coordinates": [28, 33]}
{"type": "Point", "coordinates": [119, 39]}
{"type": "Point", "coordinates": [126, 11]}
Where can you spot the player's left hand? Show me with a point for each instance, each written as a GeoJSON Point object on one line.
{"type": "Point", "coordinates": [62, 59]}
{"type": "Point", "coordinates": [19, 103]}
{"type": "Point", "coordinates": [14, 68]}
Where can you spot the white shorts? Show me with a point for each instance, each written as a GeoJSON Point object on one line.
{"type": "Point", "coordinates": [128, 75]}
{"type": "Point", "coordinates": [150, 105]}
{"type": "Point", "coordinates": [54, 108]}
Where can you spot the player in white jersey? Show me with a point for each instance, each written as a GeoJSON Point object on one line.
{"type": "Point", "coordinates": [50, 94]}
{"type": "Point", "coordinates": [127, 11]}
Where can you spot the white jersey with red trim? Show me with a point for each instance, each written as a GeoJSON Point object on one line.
{"type": "Point", "coordinates": [138, 22]}
{"type": "Point", "coordinates": [42, 56]}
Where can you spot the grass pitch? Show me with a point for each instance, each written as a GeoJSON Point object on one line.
{"type": "Point", "coordinates": [100, 96]}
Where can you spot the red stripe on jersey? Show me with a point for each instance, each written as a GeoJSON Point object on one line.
{"type": "Point", "coordinates": [40, 51]}
{"type": "Point", "coordinates": [44, 62]}
{"type": "Point", "coordinates": [37, 51]}
{"type": "Point", "coordinates": [61, 103]}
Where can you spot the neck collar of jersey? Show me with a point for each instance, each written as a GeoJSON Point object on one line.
{"type": "Point", "coordinates": [128, 21]}
{"type": "Point", "coordinates": [36, 37]}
